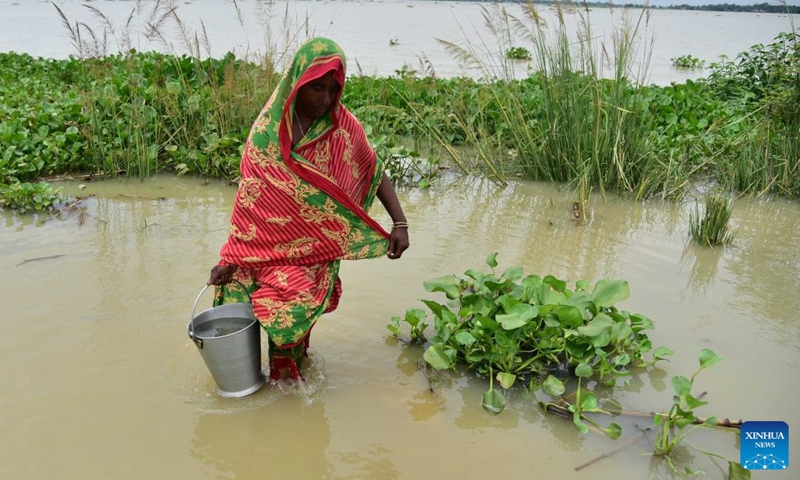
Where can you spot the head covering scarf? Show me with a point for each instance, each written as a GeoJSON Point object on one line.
{"type": "Point", "coordinates": [299, 210]}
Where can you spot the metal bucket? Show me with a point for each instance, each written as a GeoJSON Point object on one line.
{"type": "Point", "coordinates": [229, 340]}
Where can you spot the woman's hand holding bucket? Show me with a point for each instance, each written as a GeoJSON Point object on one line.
{"type": "Point", "coordinates": [222, 274]}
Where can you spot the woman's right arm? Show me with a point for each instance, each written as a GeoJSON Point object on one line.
{"type": "Point", "coordinates": [398, 241]}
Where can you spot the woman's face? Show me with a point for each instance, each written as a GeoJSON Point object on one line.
{"type": "Point", "coordinates": [315, 98]}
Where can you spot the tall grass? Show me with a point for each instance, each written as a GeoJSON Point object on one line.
{"type": "Point", "coordinates": [181, 110]}
{"type": "Point", "coordinates": [711, 227]}
{"type": "Point", "coordinates": [589, 124]}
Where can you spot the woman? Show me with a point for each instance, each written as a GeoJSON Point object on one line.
{"type": "Point", "coordinates": [308, 178]}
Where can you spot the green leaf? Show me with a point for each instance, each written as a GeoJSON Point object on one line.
{"type": "Point", "coordinates": [588, 402]}
{"type": "Point", "coordinates": [507, 302]}
{"type": "Point", "coordinates": [662, 352]}
{"type": "Point", "coordinates": [600, 323]}
{"type": "Point", "coordinates": [640, 322]}
{"type": "Point", "coordinates": [583, 370]}
{"type": "Point", "coordinates": [394, 325]}
{"type": "Point", "coordinates": [613, 431]}
{"type": "Point", "coordinates": [448, 317]}
{"type": "Point", "coordinates": [608, 292]}
{"type": "Point", "coordinates": [583, 301]}
{"type": "Point", "coordinates": [513, 273]}
{"type": "Point", "coordinates": [708, 358]}
{"type": "Point", "coordinates": [491, 260]}
{"type": "Point", "coordinates": [464, 338]}
{"type": "Point", "coordinates": [414, 316]}
{"type": "Point", "coordinates": [435, 307]}
{"type": "Point", "coordinates": [548, 296]}
{"type": "Point", "coordinates": [437, 358]}
{"type": "Point", "coordinates": [506, 340]}
{"type": "Point", "coordinates": [518, 316]}
{"type": "Point", "coordinates": [569, 316]}
{"type": "Point", "coordinates": [622, 359]}
{"type": "Point", "coordinates": [579, 348]}
{"type": "Point", "coordinates": [581, 285]}
{"type": "Point", "coordinates": [487, 323]}
{"type": "Point", "coordinates": [506, 379]}
{"type": "Point", "coordinates": [551, 321]}
{"type": "Point", "coordinates": [532, 281]}
{"type": "Point", "coordinates": [681, 385]}
{"type": "Point", "coordinates": [556, 284]}
{"type": "Point", "coordinates": [692, 402]}
{"type": "Point", "coordinates": [576, 419]}
{"type": "Point", "coordinates": [475, 303]}
{"type": "Point", "coordinates": [494, 401]}
{"type": "Point", "coordinates": [448, 284]}
{"type": "Point", "coordinates": [553, 386]}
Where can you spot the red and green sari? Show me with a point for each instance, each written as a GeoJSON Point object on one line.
{"type": "Point", "coordinates": [300, 210]}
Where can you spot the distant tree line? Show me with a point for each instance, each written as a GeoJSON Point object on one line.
{"type": "Point", "coordinates": [728, 7]}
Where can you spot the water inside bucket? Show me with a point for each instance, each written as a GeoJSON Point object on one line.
{"type": "Point", "coordinates": [220, 327]}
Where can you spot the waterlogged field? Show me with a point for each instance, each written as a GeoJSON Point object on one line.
{"type": "Point", "coordinates": [100, 379]}
{"type": "Point", "coordinates": [554, 317]}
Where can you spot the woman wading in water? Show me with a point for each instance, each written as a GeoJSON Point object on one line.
{"type": "Point", "coordinates": [308, 178]}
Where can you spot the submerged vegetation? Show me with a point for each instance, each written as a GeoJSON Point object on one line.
{"type": "Point", "coordinates": [569, 120]}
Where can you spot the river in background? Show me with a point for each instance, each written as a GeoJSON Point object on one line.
{"type": "Point", "coordinates": [365, 30]}
{"type": "Point", "coordinates": [99, 379]}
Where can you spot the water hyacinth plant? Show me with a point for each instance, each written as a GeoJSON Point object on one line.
{"type": "Point", "coordinates": [687, 62]}
{"type": "Point", "coordinates": [518, 53]}
{"type": "Point", "coordinates": [680, 421]}
{"type": "Point", "coordinates": [512, 327]}
{"type": "Point", "coordinates": [711, 227]}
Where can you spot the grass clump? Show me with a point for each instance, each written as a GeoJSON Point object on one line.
{"type": "Point", "coordinates": [687, 62]}
{"type": "Point", "coordinates": [518, 53]}
{"type": "Point", "coordinates": [711, 227]}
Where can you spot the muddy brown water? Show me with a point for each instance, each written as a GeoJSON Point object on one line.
{"type": "Point", "coordinates": [99, 379]}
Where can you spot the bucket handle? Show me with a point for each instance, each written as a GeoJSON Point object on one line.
{"type": "Point", "coordinates": [190, 327]}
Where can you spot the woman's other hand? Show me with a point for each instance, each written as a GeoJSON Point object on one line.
{"type": "Point", "coordinates": [398, 243]}
{"type": "Point", "coordinates": [220, 275]}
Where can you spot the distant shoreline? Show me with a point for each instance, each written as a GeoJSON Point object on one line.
{"type": "Point", "coordinates": [721, 7]}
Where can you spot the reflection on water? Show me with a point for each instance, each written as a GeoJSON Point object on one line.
{"type": "Point", "coordinates": [99, 369]}
{"type": "Point", "coordinates": [703, 263]}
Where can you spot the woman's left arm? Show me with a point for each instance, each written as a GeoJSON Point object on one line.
{"type": "Point", "coordinates": [398, 241]}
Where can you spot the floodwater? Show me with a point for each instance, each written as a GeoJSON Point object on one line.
{"type": "Point", "coordinates": [365, 29]}
{"type": "Point", "coordinates": [99, 379]}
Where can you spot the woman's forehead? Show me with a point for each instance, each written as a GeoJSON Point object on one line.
{"type": "Point", "coordinates": [325, 78]}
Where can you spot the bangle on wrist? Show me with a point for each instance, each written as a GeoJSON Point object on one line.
{"type": "Point", "coordinates": [399, 225]}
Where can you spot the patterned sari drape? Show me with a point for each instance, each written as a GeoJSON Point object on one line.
{"type": "Point", "coordinates": [300, 210]}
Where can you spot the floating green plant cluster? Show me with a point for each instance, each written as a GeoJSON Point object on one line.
{"type": "Point", "coordinates": [514, 326]}
{"type": "Point", "coordinates": [518, 53]}
{"type": "Point", "coordinates": [514, 329]}
{"type": "Point", "coordinates": [687, 62]}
